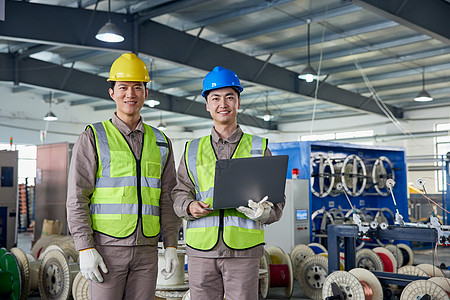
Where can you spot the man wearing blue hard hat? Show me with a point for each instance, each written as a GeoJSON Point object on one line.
{"type": "Point", "coordinates": [223, 246]}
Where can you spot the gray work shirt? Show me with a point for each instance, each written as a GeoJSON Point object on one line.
{"type": "Point", "coordinates": [81, 184]}
{"type": "Point", "coordinates": [184, 193]}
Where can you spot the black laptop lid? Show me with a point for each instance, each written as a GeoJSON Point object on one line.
{"type": "Point", "coordinates": [240, 179]}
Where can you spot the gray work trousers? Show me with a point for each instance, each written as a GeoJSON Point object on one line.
{"type": "Point", "coordinates": [132, 273]}
{"type": "Point", "coordinates": [234, 277]}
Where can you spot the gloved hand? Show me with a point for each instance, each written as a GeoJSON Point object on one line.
{"type": "Point", "coordinates": [258, 211]}
{"type": "Point", "coordinates": [90, 260]}
{"type": "Point", "coordinates": [171, 258]}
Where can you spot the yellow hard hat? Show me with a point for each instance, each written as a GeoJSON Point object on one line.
{"type": "Point", "coordinates": [128, 67]}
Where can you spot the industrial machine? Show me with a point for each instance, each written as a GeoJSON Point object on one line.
{"type": "Point", "coordinates": [343, 179]}
{"type": "Point", "coordinates": [8, 198]}
{"type": "Point", "coordinates": [293, 227]}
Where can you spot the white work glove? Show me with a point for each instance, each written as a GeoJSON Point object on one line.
{"type": "Point", "coordinates": [90, 260]}
{"type": "Point", "coordinates": [171, 258]}
{"type": "Point", "coordinates": [258, 211]}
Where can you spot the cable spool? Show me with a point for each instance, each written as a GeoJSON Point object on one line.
{"type": "Point", "coordinates": [326, 219]}
{"type": "Point", "coordinates": [10, 276]}
{"type": "Point", "coordinates": [382, 170]}
{"type": "Point", "coordinates": [369, 260]}
{"type": "Point", "coordinates": [344, 284]}
{"type": "Point", "coordinates": [353, 175]}
{"type": "Point", "coordinates": [80, 288]}
{"type": "Point", "coordinates": [431, 270]}
{"type": "Point", "coordinates": [412, 270]}
{"type": "Point", "coordinates": [67, 244]}
{"type": "Point", "coordinates": [322, 169]}
{"type": "Point", "coordinates": [42, 243]}
{"type": "Point", "coordinates": [312, 272]}
{"type": "Point", "coordinates": [408, 254]}
{"type": "Point", "coordinates": [388, 259]}
{"type": "Point", "coordinates": [298, 253]}
{"type": "Point", "coordinates": [280, 270]}
{"type": "Point", "coordinates": [371, 284]}
{"type": "Point", "coordinates": [397, 253]}
{"type": "Point", "coordinates": [419, 288]}
{"type": "Point", "coordinates": [56, 275]}
{"type": "Point", "coordinates": [264, 275]}
{"type": "Point", "coordinates": [442, 282]}
{"type": "Point", "coordinates": [317, 248]}
{"type": "Point", "coordinates": [24, 267]}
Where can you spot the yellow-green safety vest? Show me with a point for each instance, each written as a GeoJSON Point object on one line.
{"type": "Point", "coordinates": [127, 188]}
{"type": "Point", "coordinates": [238, 231]}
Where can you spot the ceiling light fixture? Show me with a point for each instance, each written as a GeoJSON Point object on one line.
{"type": "Point", "coordinates": [109, 32]}
{"type": "Point", "coordinates": [423, 95]}
{"type": "Point", "coordinates": [162, 125]}
{"type": "Point", "coordinates": [151, 102]}
{"type": "Point", "coordinates": [50, 116]}
{"type": "Point", "coordinates": [308, 73]}
{"type": "Point", "coordinates": [267, 114]}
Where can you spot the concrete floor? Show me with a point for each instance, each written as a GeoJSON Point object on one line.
{"type": "Point", "coordinates": [420, 256]}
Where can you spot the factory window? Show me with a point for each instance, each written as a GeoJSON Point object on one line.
{"type": "Point", "coordinates": [347, 135]}
{"type": "Point", "coordinates": [27, 160]}
{"type": "Point", "coordinates": [442, 148]}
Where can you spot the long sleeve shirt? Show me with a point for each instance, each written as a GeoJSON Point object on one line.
{"type": "Point", "coordinates": [81, 185]}
{"type": "Point", "coordinates": [184, 193]}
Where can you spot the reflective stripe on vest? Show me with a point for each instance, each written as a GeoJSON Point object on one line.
{"type": "Point", "coordinates": [239, 232]}
{"type": "Point", "coordinates": [114, 203]}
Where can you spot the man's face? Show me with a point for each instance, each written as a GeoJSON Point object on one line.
{"type": "Point", "coordinates": [223, 104]}
{"type": "Point", "coordinates": [129, 97]}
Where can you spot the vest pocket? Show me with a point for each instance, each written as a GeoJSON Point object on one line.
{"type": "Point", "coordinates": [152, 169]}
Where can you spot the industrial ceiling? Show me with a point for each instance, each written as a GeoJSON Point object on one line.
{"type": "Point", "coordinates": [371, 55]}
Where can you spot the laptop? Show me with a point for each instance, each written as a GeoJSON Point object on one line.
{"type": "Point", "coordinates": [240, 179]}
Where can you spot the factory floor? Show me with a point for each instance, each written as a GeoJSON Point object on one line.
{"type": "Point", "coordinates": [420, 256]}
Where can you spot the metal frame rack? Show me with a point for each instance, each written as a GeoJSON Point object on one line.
{"type": "Point", "coordinates": [350, 233]}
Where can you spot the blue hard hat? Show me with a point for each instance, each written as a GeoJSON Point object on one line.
{"type": "Point", "coordinates": [220, 77]}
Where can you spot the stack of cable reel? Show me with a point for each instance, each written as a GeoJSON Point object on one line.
{"type": "Point", "coordinates": [56, 274]}
{"type": "Point", "coordinates": [357, 284]}
{"type": "Point", "coordinates": [311, 274]}
{"type": "Point", "coordinates": [279, 272]}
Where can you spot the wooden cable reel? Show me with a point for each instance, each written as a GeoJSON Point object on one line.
{"type": "Point", "coordinates": [388, 259]}
{"type": "Point", "coordinates": [353, 175]}
{"type": "Point", "coordinates": [56, 275]}
{"type": "Point", "coordinates": [312, 272]}
{"type": "Point", "coordinates": [420, 288]}
{"type": "Point", "coordinates": [322, 175]}
{"type": "Point", "coordinates": [80, 288]}
{"type": "Point", "coordinates": [280, 272]}
{"type": "Point", "coordinates": [369, 260]}
{"type": "Point", "coordinates": [356, 284]}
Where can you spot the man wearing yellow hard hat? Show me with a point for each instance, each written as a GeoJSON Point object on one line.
{"type": "Point", "coordinates": [121, 175]}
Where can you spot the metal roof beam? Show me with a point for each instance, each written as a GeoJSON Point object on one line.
{"type": "Point", "coordinates": [204, 55]}
{"type": "Point", "coordinates": [38, 73]}
{"type": "Point", "coordinates": [429, 17]}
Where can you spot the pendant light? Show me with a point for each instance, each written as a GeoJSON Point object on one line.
{"type": "Point", "coordinates": [162, 125]}
{"type": "Point", "coordinates": [50, 116]}
{"type": "Point", "coordinates": [151, 102]}
{"type": "Point", "coordinates": [423, 95]}
{"type": "Point", "coordinates": [267, 114]}
{"type": "Point", "coordinates": [109, 32]}
{"type": "Point", "coordinates": [308, 73]}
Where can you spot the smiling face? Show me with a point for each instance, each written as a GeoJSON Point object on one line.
{"type": "Point", "coordinates": [223, 104]}
{"type": "Point", "coordinates": [129, 97]}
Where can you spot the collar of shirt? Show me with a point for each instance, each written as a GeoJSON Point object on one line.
{"type": "Point", "coordinates": [233, 138]}
{"type": "Point", "coordinates": [124, 128]}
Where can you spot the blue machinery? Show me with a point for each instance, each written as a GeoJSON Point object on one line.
{"type": "Point", "coordinates": [338, 173]}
